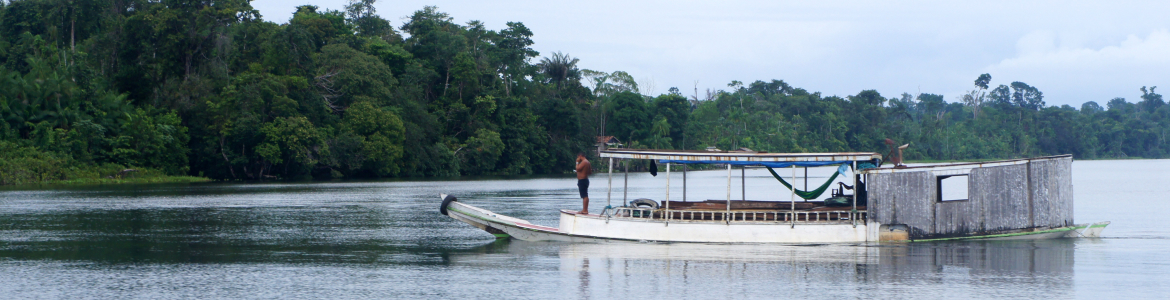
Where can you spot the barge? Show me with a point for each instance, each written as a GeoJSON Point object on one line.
{"type": "Point", "coordinates": [1010, 199]}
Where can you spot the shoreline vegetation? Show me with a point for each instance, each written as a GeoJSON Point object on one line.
{"type": "Point", "coordinates": [211, 91]}
{"type": "Point", "coordinates": [152, 176]}
{"type": "Point", "coordinates": [32, 172]}
{"type": "Point", "coordinates": [107, 181]}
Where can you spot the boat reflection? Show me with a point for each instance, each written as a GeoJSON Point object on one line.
{"type": "Point", "coordinates": [612, 270]}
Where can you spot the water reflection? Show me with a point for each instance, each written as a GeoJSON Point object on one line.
{"type": "Point", "coordinates": [387, 240]}
{"type": "Point", "coordinates": [1029, 269]}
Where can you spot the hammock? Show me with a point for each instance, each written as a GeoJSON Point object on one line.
{"type": "Point", "coordinates": [813, 194]}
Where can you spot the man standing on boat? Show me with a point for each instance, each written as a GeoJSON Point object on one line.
{"type": "Point", "coordinates": [584, 169]}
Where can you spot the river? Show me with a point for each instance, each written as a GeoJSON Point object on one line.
{"type": "Point", "coordinates": [386, 239]}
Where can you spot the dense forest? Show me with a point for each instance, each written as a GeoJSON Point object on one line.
{"type": "Point", "coordinates": [89, 88]}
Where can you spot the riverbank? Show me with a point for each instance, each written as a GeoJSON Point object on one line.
{"type": "Point", "coordinates": [108, 180]}
{"type": "Point", "coordinates": [58, 174]}
{"type": "Point", "coordinates": [159, 179]}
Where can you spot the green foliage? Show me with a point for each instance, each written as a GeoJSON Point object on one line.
{"type": "Point", "coordinates": [559, 69]}
{"type": "Point", "coordinates": [90, 88]}
{"type": "Point", "coordinates": [30, 165]}
{"type": "Point", "coordinates": [152, 140]}
{"type": "Point", "coordinates": [292, 143]}
{"type": "Point", "coordinates": [380, 134]}
{"type": "Point", "coordinates": [1013, 122]}
{"type": "Point", "coordinates": [629, 118]}
{"type": "Point", "coordinates": [676, 111]}
{"type": "Point", "coordinates": [482, 151]}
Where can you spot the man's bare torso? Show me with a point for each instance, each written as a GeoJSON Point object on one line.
{"type": "Point", "coordinates": [584, 169]}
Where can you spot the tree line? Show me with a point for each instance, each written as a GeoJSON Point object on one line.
{"type": "Point", "coordinates": [209, 88]}
{"type": "Point", "coordinates": [1007, 121]}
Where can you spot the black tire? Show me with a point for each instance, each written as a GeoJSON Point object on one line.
{"type": "Point", "coordinates": [446, 201]}
{"type": "Point", "coordinates": [644, 202]}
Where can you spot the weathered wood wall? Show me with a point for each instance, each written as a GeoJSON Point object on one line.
{"type": "Point", "coordinates": [903, 198]}
{"type": "Point", "coordinates": [1052, 193]}
{"type": "Point", "coordinates": [1027, 195]}
{"type": "Point", "coordinates": [1002, 191]}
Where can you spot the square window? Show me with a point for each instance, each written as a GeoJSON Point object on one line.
{"type": "Point", "coordinates": [952, 188]}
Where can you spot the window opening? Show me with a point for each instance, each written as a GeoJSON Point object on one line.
{"type": "Point", "coordinates": [953, 188]}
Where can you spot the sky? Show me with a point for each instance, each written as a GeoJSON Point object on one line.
{"type": "Point", "coordinates": [1073, 51]}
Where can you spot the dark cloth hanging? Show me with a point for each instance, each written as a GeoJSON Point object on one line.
{"type": "Point", "coordinates": [653, 168]}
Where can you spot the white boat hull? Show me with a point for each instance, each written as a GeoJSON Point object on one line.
{"type": "Point", "coordinates": [710, 232]}
{"type": "Point", "coordinates": [581, 228]}
{"type": "Point", "coordinates": [575, 227]}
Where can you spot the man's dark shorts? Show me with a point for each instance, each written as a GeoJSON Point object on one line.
{"type": "Point", "coordinates": [583, 185]}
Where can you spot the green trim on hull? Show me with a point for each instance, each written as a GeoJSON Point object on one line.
{"type": "Point", "coordinates": [501, 235]}
{"type": "Point", "coordinates": [1065, 229]}
{"type": "Point", "coordinates": [1091, 225]}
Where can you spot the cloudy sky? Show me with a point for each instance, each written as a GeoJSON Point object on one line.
{"type": "Point", "coordinates": [1073, 51]}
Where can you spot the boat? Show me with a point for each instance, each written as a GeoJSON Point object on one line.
{"type": "Point", "coordinates": [1005, 200]}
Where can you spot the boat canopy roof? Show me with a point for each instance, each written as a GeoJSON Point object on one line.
{"type": "Point", "coordinates": [744, 158]}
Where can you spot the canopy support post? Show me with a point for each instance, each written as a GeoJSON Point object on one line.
{"type": "Point", "coordinates": [805, 182]}
{"type": "Point", "coordinates": [626, 185]}
{"type": "Point", "coordinates": [856, 189]}
{"type": "Point", "coordinates": [728, 195]}
{"type": "Point", "coordinates": [743, 182]}
{"type": "Point", "coordinates": [667, 185]}
{"type": "Point", "coordinates": [609, 192]}
{"type": "Point", "coordinates": [792, 200]}
{"type": "Point", "coordinates": [667, 211]}
{"type": "Point", "coordinates": [684, 182]}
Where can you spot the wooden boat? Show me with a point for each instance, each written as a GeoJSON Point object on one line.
{"type": "Point", "coordinates": [1009, 199]}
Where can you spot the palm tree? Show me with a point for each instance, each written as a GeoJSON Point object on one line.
{"type": "Point", "coordinates": [559, 68]}
{"type": "Point", "coordinates": [660, 134]}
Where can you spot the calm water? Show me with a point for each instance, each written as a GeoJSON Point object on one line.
{"type": "Point", "coordinates": [387, 239]}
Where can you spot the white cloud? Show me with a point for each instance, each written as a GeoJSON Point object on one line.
{"type": "Point", "coordinates": [1084, 73]}
{"type": "Point", "coordinates": [1039, 51]}
{"type": "Point", "coordinates": [1073, 51]}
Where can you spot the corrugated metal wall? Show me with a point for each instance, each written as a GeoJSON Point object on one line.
{"type": "Point", "coordinates": [1000, 198]}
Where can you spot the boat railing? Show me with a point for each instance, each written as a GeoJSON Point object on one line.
{"type": "Point", "coordinates": [819, 217]}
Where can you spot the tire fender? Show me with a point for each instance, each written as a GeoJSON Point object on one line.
{"type": "Point", "coordinates": [446, 201]}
